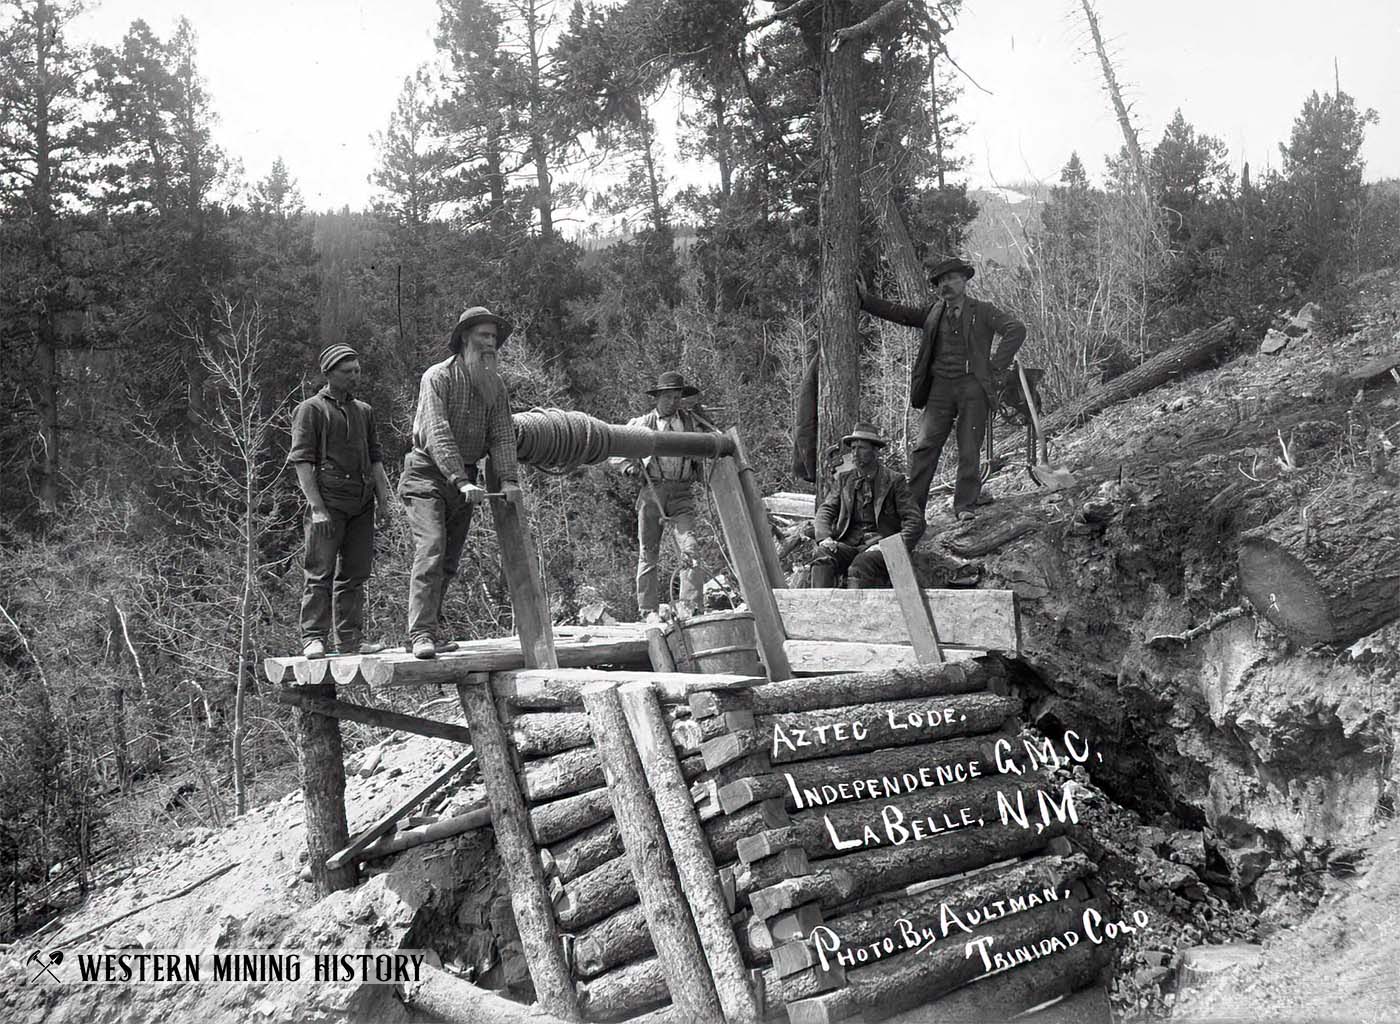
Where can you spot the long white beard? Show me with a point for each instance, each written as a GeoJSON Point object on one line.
{"type": "Point", "coordinates": [483, 375]}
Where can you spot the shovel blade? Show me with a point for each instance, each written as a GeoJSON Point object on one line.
{"type": "Point", "coordinates": [1052, 478]}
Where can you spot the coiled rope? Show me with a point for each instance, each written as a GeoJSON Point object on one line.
{"type": "Point", "coordinates": [561, 440]}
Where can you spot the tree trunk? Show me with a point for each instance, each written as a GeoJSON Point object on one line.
{"type": "Point", "coordinates": [539, 151]}
{"type": "Point", "coordinates": [1125, 125]}
{"type": "Point", "coordinates": [899, 247]}
{"type": "Point", "coordinates": [838, 206]}
{"type": "Point", "coordinates": [1190, 353]}
{"type": "Point", "coordinates": [624, 992]}
{"type": "Point", "coordinates": [323, 789]}
{"type": "Point", "coordinates": [1327, 574]}
{"type": "Point", "coordinates": [658, 216]}
{"type": "Point", "coordinates": [722, 140]}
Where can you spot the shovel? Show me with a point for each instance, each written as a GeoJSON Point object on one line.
{"type": "Point", "coordinates": [1052, 478]}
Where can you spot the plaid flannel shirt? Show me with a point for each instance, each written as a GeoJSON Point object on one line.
{"type": "Point", "coordinates": [456, 428]}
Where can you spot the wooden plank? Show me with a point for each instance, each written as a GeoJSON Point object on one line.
{"type": "Point", "coordinates": [534, 912]}
{"type": "Point", "coordinates": [744, 554]}
{"type": "Point", "coordinates": [395, 668]}
{"type": "Point", "coordinates": [985, 619]}
{"type": "Point", "coordinates": [655, 866]}
{"type": "Point", "coordinates": [386, 824]}
{"type": "Point", "coordinates": [659, 650]}
{"type": "Point", "coordinates": [524, 575]}
{"type": "Point", "coordinates": [758, 515]}
{"type": "Point", "coordinates": [380, 717]}
{"type": "Point", "coordinates": [563, 688]}
{"type": "Point", "coordinates": [695, 864]}
{"type": "Point", "coordinates": [280, 670]}
{"type": "Point", "coordinates": [918, 622]}
{"type": "Point", "coordinates": [820, 658]}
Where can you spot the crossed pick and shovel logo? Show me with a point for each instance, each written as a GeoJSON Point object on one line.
{"type": "Point", "coordinates": [46, 961]}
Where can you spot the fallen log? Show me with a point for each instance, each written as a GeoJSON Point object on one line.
{"type": "Point", "coordinates": [815, 692]}
{"type": "Point", "coordinates": [909, 979]}
{"type": "Point", "coordinates": [382, 827]}
{"type": "Point", "coordinates": [868, 872]}
{"type": "Point", "coordinates": [424, 834]}
{"type": "Point", "coordinates": [570, 815]}
{"type": "Point", "coordinates": [623, 992]}
{"type": "Point", "coordinates": [571, 857]}
{"type": "Point", "coordinates": [595, 894]}
{"type": "Point", "coordinates": [1331, 575]}
{"type": "Point", "coordinates": [619, 938]}
{"type": "Point", "coordinates": [803, 735]}
{"type": "Point", "coordinates": [447, 998]}
{"type": "Point", "coordinates": [1192, 352]}
{"type": "Point", "coordinates": [649, 855]}
{"type": "Point", "coordinates": [829, 780]}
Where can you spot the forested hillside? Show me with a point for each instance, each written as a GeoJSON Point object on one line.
{"type": "Point", "coordinates": [161, 306]}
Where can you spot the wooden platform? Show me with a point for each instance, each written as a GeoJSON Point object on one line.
{"type": "Point", "coordinates": [621, 645]}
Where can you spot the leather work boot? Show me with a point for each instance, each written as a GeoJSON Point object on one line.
{"type": "Point", "coordinates": [423, 647]}
{"type": "Point", "coordinates": [314, 648]}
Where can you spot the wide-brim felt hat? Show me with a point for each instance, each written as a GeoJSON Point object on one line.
{"type": "Point", "coordinates": [474, 315]}
{"type": "Point", "coordinates": [948, 266]}
{"type": "Point", "coordinates": [865, 432]}
{"type": "Point", "coordinates": [673, 381]}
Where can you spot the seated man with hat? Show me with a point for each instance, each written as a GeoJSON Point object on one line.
{"type": "Point", "coordinates": [463, 414]}
{"type": "Point", "coordinates": [955, 376]}
{"type": "Point", "coordinates": [866, 505]}
{"type": "Point", "coordinates": [335, 450]}
{"type": "Point", "coordinates": [667, 496]}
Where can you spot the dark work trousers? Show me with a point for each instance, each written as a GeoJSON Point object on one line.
{"type": "Point", "coordinates": [962, 401]}
{"type": "Point", "coordinates": [676, 499]}
{"type": "Point", "coordinates": [865, 568]}
{"type": "Point", "coordinates": [338, 557]}
{"type": "Point", "coordinates": [438, 518]}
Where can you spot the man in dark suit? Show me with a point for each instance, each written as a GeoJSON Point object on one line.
{"type": "Point", "coordinates": [867, 504]}
{"type": "Point", "coordinates": [956, 376]}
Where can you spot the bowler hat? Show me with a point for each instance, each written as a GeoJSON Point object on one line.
{"type": "Point", "coordinates": [479, 315]}
{"type": "Point", "coordinates": [671, 380]}
{"type": "Point", "coordinates": [948, 266]}
{"type": "Point", "coordinates": [865, 432]}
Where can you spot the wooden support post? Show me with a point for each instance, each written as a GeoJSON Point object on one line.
{"type": "Point", "coordinates": [643, 837]}
{"type": "Point", "coordinates": [661, 659]}
{"type": "Point", "coordinates": [758, 514]}
{"type": "Point", "coordinates": [748, 566]}
{"type": "Point", "coordinates": [380, 717]}
{"type": "Point", "coordinates": [917, 618]}
{"type": "Point", "coordinates": [691, 852]}
{"type": "Point", "coordinates": [323, 789]}
{"type": "Point", "coordinates": [386, 824]}
{"type": "Point", "coordinates": [534, 915]}
{"type": "Point", "coordinates": [522, 569]}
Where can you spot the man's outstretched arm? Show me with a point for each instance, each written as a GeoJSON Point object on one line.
{"type": "Point", "coordinates": [894, 312]}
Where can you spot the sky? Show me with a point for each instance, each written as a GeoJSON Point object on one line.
{"type": "Point", "coordinates": [311, 80]}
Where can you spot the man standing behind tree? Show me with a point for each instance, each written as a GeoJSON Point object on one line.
{"type": "Point", "coordinates": [335, 450]}
{"type": "Point", "coordinates": [463, 414]}
{"type": "Point", "coordinates": [667, 496]}
{"type": "Point", "coordinates": [955, 377]}
{"type": "Point", "coordinates": [866, 505]}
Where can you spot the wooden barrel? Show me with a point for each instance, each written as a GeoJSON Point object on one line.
{"type": "Point", "coordinates": [721, 642]}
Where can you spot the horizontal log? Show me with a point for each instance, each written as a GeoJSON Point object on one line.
{"type": "Point", "coordinates": [725, 832]}
{"type": "Point", "coordinates": [595, 894]}
{"type": "Point", "coordinates": [788, 862]}
{"type": "Point", "coordinates": [571, 857]}
{"type": "Point", "coordinates": [573, 771]}
{"type": "Point", "coordinates": [1003, 996]}
{"type": "Point", "coordinates": [407, 839]}
{"type": "Point", "coordinates": [824, 657]}
{"type": "Point", "coordinates": [496, 655]}
{"type": "Point", "coordinates": [803, 735]}
{"type": "Point", "coordinates": [619, 938]}
{"type": "Point", "coordinates": [379, 717]}
{"type": "Point", "coordinates": [869, 872]}
{"type": "Point", "coordinates": [784, 990]}
{"type": "Point", "coordinates": [447, 998]}
{"type": "Point", "coordinates": [624, 991]}
{"type": "Point", "coordinates": [690, 733]}
{"type": "Point", "coordinates": [984, 619]}
{"type": "Point", "coordinates": [563, 688]}
{"type": "Point", "coordinates": [543, 733]}
{"type": "Point", "coordinates": [856, 776]}
{"type": "Point", "coordinates": [842, 690]}
{"type": "Point", "coordinates": [908, 979]}
{"type": "Point", "coordinates": [562, 818]}
{"type": "Point", "coordinates": [1194, 350]}
{"type": "Point", "coordinates": [710, 703]}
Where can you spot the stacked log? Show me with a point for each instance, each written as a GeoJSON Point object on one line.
{"type": "Point", "coordinates": [856, 819]}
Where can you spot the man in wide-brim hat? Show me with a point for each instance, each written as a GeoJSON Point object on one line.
{"type": "Point", "coordinates": [340, 469]}
{"type": "Point", "coordinates": [463, 415]}
{"type": "Point", "coordinates": [667, 497]}
{"type": "Point", "coordinates": [868, 504]}
{"type": "Point", "coordinates": [956, 375]}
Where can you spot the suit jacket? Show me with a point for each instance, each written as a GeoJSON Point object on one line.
{"type": "Point", "coordinates": [980, 322]}
{"type": "Point", "coordinates": [691, 468]}
{"type": "Point", "coordinates": [895, 511]}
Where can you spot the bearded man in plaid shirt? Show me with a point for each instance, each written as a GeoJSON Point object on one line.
{"type": "Point", "coordinates": [463, 414]}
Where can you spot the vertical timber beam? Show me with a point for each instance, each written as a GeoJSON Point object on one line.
{"type": "Point", "coordinates": [690, 850]}
{"type": "Point", "coordinates": [739, 537]}
{"type": "Point", "coordinates": [758, 515]}
{"type": "Point", "coordinates": [529, 897]}
{"type": "Point", "coordinates": [525, 577]}
{"type": "Point", "coordinates": [649, 855]}
{"type": "Point", "coordinates": [918, 620]}
{"type": "Point", "coordinates": [323, 790]}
